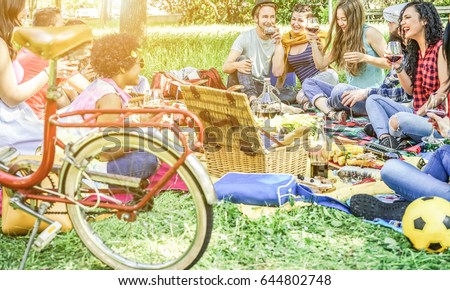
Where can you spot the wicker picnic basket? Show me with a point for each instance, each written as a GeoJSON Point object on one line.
{"type": "Point", "coordinates": [233, 140]}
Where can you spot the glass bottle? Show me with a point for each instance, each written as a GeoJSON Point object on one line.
{"type": "Point", "coordinates": [318, 151]}
{"type": "Point", "coordinates": [267, 105]}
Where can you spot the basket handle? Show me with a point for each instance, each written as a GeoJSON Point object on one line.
{"type": "Point", "coordinates": [206, 116]}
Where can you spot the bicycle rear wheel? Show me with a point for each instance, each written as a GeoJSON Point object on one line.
{"type": "Point", "coordinates": [171, 232]}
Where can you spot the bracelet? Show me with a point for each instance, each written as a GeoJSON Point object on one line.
{"type": "Point", "coordinates": [400, 68]}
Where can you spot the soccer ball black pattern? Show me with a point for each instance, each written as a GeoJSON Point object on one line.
{"type": "Point", "coordinates": [426, 223]}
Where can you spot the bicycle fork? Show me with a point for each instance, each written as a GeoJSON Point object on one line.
{"type": "Point", "coordinates": [46, 236]}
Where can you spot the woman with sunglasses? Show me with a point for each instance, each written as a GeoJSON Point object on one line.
{"type": "Point", "coordinates": [115, 59]}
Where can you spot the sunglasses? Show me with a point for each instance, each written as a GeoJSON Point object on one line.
{"type": "Point", "coordinates": [141, 62]}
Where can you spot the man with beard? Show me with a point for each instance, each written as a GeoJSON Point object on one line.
{"type": "Point", "coordinates": [256, 51]}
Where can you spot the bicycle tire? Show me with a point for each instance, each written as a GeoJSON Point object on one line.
{"type": "Point", "coordinates": [174, 234]}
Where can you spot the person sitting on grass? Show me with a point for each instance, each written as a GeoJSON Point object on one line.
{"type": "Point", "coordinates": [116, 60]}
{"type": "Point", "coordinates": [422, 73]}
{"type": "Point", "coordinates": [20, 128]}
{"type": "Point", "coordinates": [390, 87]}
{"type": "Point", "coordinates": [351, 45]}
{"type": "Point", "coordinates": [33, 65]}
{"type": "Point", "coordinates": [352, 96]}
{"type": "Point", "coordinates": [408, 181]}
{"type": "Point", "coordinates": [254, 52]}
{"type": "Point", "coordinates": [298, 56]}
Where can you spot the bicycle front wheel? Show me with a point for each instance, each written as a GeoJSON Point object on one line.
{"type": "Point", "coordinates": [171, 232]}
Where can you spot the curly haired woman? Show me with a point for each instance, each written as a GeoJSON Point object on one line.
{"type": "Point", "coordinates": [405, 179]}
{"type": "Point", "coordinates": [421, 73]}
{"type": "Point", "coordinates": [351, 45]}
{"type": "Point", "coordinates": [115, 58]}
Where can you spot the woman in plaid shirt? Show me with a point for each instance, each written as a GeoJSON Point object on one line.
{"type": "Point", "coordinates": [405, 179]}
{"type": "Point", "coordinates": [420, 75]}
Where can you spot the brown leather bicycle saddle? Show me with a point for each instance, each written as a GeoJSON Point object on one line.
{"type": "Point", "coordinates": [53, 42]}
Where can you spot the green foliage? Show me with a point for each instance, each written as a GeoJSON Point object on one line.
{"type": "Point", "coordinates": [238, 11]}
{"type": "Point", "coordinates": [231, 11]}
{"type": "Point", "coordinates": [209, 11]}
{"type": "Point", "coordinates": [320, 10]}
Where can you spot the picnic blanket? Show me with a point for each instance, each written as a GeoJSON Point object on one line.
{"type": "Point", "coordinates": [352, 130]}
{"type": "Point", "coordinates": [256, 212]}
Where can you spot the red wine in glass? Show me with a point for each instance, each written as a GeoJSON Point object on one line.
{"type": "Point", "coordinates": [395, 52]}
{"type": "Point", "coordinates": [270, 31]}
{"type": "Point", "coordinates": [393, 58]}
{"type": "Point", "coordinates": [312, 29]}
{"type": "Point", "coordinates": [312, 24]}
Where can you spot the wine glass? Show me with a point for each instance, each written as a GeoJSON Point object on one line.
{"type": "Point", "coordinates": [312, 24]}
{"type": "Point", "coordinates": [270, 30]}
{"type": "Point", "coordinates": [394, 52]}
{"type": "Point", "coordinates": [437, 104]}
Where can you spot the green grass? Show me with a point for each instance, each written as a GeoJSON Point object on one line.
{"type": "Point", "coordinates": [314, 238]}
{"type": "Point", "coordinates": [303, 238]}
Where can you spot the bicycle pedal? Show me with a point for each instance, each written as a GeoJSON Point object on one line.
{"type": "Point", "coordinates": [46, 236]}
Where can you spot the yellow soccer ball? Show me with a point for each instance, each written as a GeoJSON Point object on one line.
{"type": "Point", "coordinates": [426, 223]}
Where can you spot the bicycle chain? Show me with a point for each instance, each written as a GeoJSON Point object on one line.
{"type": "Point", "coordinates": [88, 213]}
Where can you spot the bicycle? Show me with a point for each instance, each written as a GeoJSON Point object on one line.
{"type": "Point", "coordinates": [126, 222]}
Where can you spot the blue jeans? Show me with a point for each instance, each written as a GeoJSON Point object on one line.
{"type": "Point", "coordinates": [413, 126]}
{"type": "Point", "coordinates": [314, 88]}
{"type": "Point", "coordinates": [251, 87]}
{"type": "Point", "coordinates": [134, 164]}
{"type": "Point", "coordinates": [380, 109]}
{"type": "Point", "coordinates": [411, 183]}
{"type": "Point", "coordinates": [335, 100]}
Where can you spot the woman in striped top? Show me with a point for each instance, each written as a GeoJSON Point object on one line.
{"type": "Point", "coordinates": [298, 56]}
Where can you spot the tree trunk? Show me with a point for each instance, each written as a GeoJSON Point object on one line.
{"type": "Point", "coordinates": [32, 4]}
{"type": "Point", "coordinates": [133, 18]}
{"type": "Point", "coordinates": [58, 3]}
{"type": "Point", "coordinates": [104, 12]}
